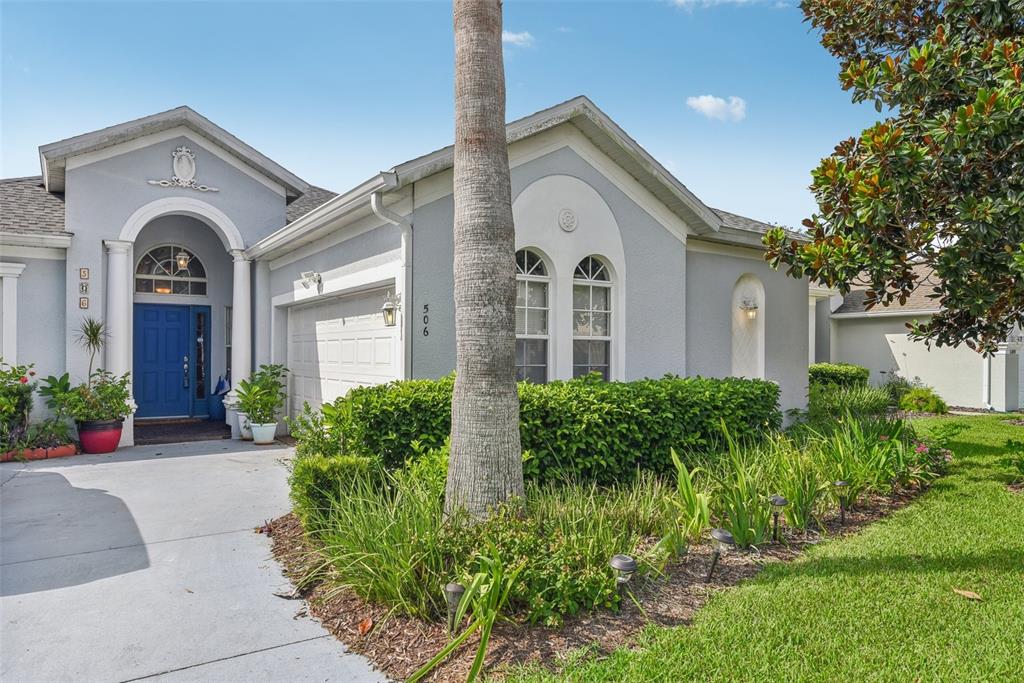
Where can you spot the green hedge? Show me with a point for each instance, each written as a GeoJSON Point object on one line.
{"type": "Point", "coordinates": [602, 431]}
{"type": "Point", "coordinates": [317, 481]}
{"type": "Point", "coordinates": [838, 374]}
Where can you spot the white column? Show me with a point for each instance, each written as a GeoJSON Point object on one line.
{"type": "Point", "coordinates": [9, 274]}
{"type": "Point", "coordinates": [117, 358]}
{"type": "Point", "coordinates": [812, 309]}
{"type": "Point", "coordinates": [241, 332]}
{"type": "Point", "coordinates": [262, 313]}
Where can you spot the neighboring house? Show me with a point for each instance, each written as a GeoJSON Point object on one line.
{"type": "Point", "coordinates": [877, 339]}
{"type": "Point", "coordinates": [205, 257]}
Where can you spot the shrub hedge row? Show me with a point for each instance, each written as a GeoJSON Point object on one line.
{"type": "Point", "coordinates": [600, 431]}
{"type": "Point", "coordinates": [838, 374]}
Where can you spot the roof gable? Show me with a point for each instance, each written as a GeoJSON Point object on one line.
{"type": "Point", "coordinates": [53, 157]}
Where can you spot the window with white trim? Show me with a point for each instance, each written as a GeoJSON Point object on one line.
{"type": "Point", "coordinates": [532, 282]}
{"type": "Point", "coordinates": [170, 269]}
{"type": "Point", "coordinates": [591, 318]}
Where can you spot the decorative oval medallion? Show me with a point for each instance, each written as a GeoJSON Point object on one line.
{"type": "Point", "coordinates": [184, 164]}
{"type": "Point", "coordinates": [567, 220]}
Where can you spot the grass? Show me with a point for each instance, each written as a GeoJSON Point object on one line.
{"type": "Point", "coordinates": [876, 606]}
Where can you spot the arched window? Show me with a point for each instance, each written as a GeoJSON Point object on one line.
{"type": "Point", "coordinates": [591, 318]}
{"type": "Point", "coordinates": [532, 282]}
{"type": "Point", "coordinates": [170, 269]}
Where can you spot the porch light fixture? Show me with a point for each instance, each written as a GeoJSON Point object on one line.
{"type": "Point", "coordinates": [749, 306]}
{"type": "Point", "coordinates": [182, 258]}
{"type": "Point", "coordinates": [390, 309]}
{"type": "Point", "coordinates": [778, 503]}
{"type": "Point", "coordinates": [453, 596]}
{"type": "Point", "coordinates": [841, 488]}
{"type": "Point", "coordinates": [624, 566]}
{"type": "Point", "coordinates": [723, 542]}
{"type": "Point", "coordinates": [311, 279]}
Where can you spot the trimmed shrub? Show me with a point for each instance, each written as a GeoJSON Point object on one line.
{"type": "Point", "coordinates": [838, 374]}
{"type": "Point", "coordinates": [923, 400]}
{"type": "Point", "coordinates": [599, 431]}
{"type": "Point", "coordinates": [318, 482]}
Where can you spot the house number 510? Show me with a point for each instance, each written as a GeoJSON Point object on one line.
{"type": "Point", "coordinates": [426, 320]}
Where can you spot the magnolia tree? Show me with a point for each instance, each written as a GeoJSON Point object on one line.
{"type": "Point", "coordinates": [940, 181]}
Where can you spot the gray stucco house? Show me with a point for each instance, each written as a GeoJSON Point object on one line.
{"type": "Point", "coordinates": [877, 339]}
{"type": "Point", "coordinates": [205, 257]}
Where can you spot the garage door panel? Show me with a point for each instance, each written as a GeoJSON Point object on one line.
{"type": "Point", "coordinates": [336, 345]}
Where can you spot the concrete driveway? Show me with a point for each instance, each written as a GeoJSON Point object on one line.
{"type": "Point", "coordinates": [143, 564]}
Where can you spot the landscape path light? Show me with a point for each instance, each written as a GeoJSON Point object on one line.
{"type": "Point", "coordinates": [624, 566]}
{"type": "Point", "coordinates": [723, 541]}
{"type": "Point", "coordinates": [778, 503]}
{"type": "Point", "coordinates": [453, 596]}
{"type": "Point", "coordinates": [842, 486]}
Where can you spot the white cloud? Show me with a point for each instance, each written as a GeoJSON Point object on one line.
{"type": "Point", "coordinates": [735, 109]}
{"type": "Point", "coordinates": [523, 39]}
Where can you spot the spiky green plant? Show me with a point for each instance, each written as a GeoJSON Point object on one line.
{"type": "Point", "coordinates": [92, 335]}
{"type": "Point", "coordinates": [688, 511]}
{"type": "Point", "coordinates": [742, 494]}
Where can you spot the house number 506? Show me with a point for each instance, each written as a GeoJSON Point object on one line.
{"type": "Point", "coordinates": [426, 320]}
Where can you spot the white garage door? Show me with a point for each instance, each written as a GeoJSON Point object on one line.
{"type": "Point", "coordinates": [338, 344]}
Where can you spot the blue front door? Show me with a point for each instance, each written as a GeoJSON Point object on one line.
{"type": "Point", "coordinates": [161, 368]}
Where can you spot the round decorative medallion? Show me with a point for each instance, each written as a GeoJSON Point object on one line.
{"type": "Point", "coordinates": [567, 220]}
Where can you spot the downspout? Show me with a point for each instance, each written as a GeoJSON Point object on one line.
{"type": "Point", "coordinates": [986, 382]}
{"type": "Point", "coordinates": [405, 265]}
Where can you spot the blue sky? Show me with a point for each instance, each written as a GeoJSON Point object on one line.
{"type": "Point", "coordinates": [736, 97]}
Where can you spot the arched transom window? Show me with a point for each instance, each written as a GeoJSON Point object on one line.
{"type": "Point", "coordinates": [532, 282]}
{"type": "Point", "coordinates": [591, 318]}
{"type": "Point", "coordinates": [170, 269]}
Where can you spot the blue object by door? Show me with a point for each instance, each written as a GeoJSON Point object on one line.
{"type": "Point", "coordinates": [161, 370]}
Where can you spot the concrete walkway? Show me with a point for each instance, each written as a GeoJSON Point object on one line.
{"type": "Point", "coordinates": [143, 564]}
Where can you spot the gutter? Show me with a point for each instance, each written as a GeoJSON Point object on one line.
{"type": "Point", "coordinates": [405, 265]}
{"type": "Point", "coordinates": [18, 239]}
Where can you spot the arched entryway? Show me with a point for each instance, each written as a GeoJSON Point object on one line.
{"type": "Point", "coordinates": [168, 322]}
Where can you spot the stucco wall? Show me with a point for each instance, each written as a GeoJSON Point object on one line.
{"type": "Point", "coordinates": [653, 280]}
{"type": "Point", "coordinates": [102, 195]}
{"type": "Point", "coordinates": [881, 344]}
{"type": "Point", "coordinates": [198, 238]}
{"type": "Point", "coordinates": [710, 279]}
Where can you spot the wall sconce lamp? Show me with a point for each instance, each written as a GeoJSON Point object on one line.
{"type": "Point", "coordinates": [182, 258]}
{"type": "Point", "coordinates": [749, 306]}
{"type": "Point", "coordinates": [311, 279]}
{"type": "Point", "coordinates": [392, 304]}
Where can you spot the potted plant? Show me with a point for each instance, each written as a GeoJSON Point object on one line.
{"type": "Point", "coordinates": [98, 406]}
{"type": "Point", "coordinates": [259, 399]}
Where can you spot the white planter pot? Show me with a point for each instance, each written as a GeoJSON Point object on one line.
{"type": "Point", "coordinates": [263, 434]}
{"type": "Point", "coordinates": [244, 427]}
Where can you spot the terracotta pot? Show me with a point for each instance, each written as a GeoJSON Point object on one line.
{"type": "Point", "coordinates": [61, 451]}
{"type": "Point", "coordinates": [31, 454]}
{"type": "Point", "coordinates": [101, 436]}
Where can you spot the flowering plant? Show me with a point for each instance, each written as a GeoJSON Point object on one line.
{"type": "Point", "coordinates": [16, 387]}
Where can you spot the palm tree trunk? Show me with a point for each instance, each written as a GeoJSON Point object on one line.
{"type": "Point", "coordinates": [486, 460]}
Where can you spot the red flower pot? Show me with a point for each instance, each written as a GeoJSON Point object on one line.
{"type": "Point", "coordinates": [100, 437]}
{"type": "Point", "coordinates": [61, 451]}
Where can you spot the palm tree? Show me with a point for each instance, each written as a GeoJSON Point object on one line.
{"type": "Point", "coordinates": [486, 461]}
{"type": "Point", "coordinates": [92, 335]}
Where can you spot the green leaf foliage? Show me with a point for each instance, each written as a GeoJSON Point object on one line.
{"type": "Point", "coordinates": [932, 196]}
{"type": "Point", "coordinates": [598, 431]}
{"type": "Point", "coordinates": [838, 374]}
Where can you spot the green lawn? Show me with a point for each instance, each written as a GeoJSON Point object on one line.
{"type": "Point", "coordinates": [877, 606]}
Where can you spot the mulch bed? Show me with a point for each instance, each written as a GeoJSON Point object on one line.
{"type": "Point", "coordinates": [399, 645]}
{"type": "Point", "coordinates": [1016, 422]}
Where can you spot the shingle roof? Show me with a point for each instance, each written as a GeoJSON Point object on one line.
{"type": "Point", "coordinates": [313, 197]}
{"type": "Point", "coordinates": [738, 222]}
{"type": "Point", "coordinates": [917, 300]}
{"type": "Point", "coordinates": [26, 207]}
